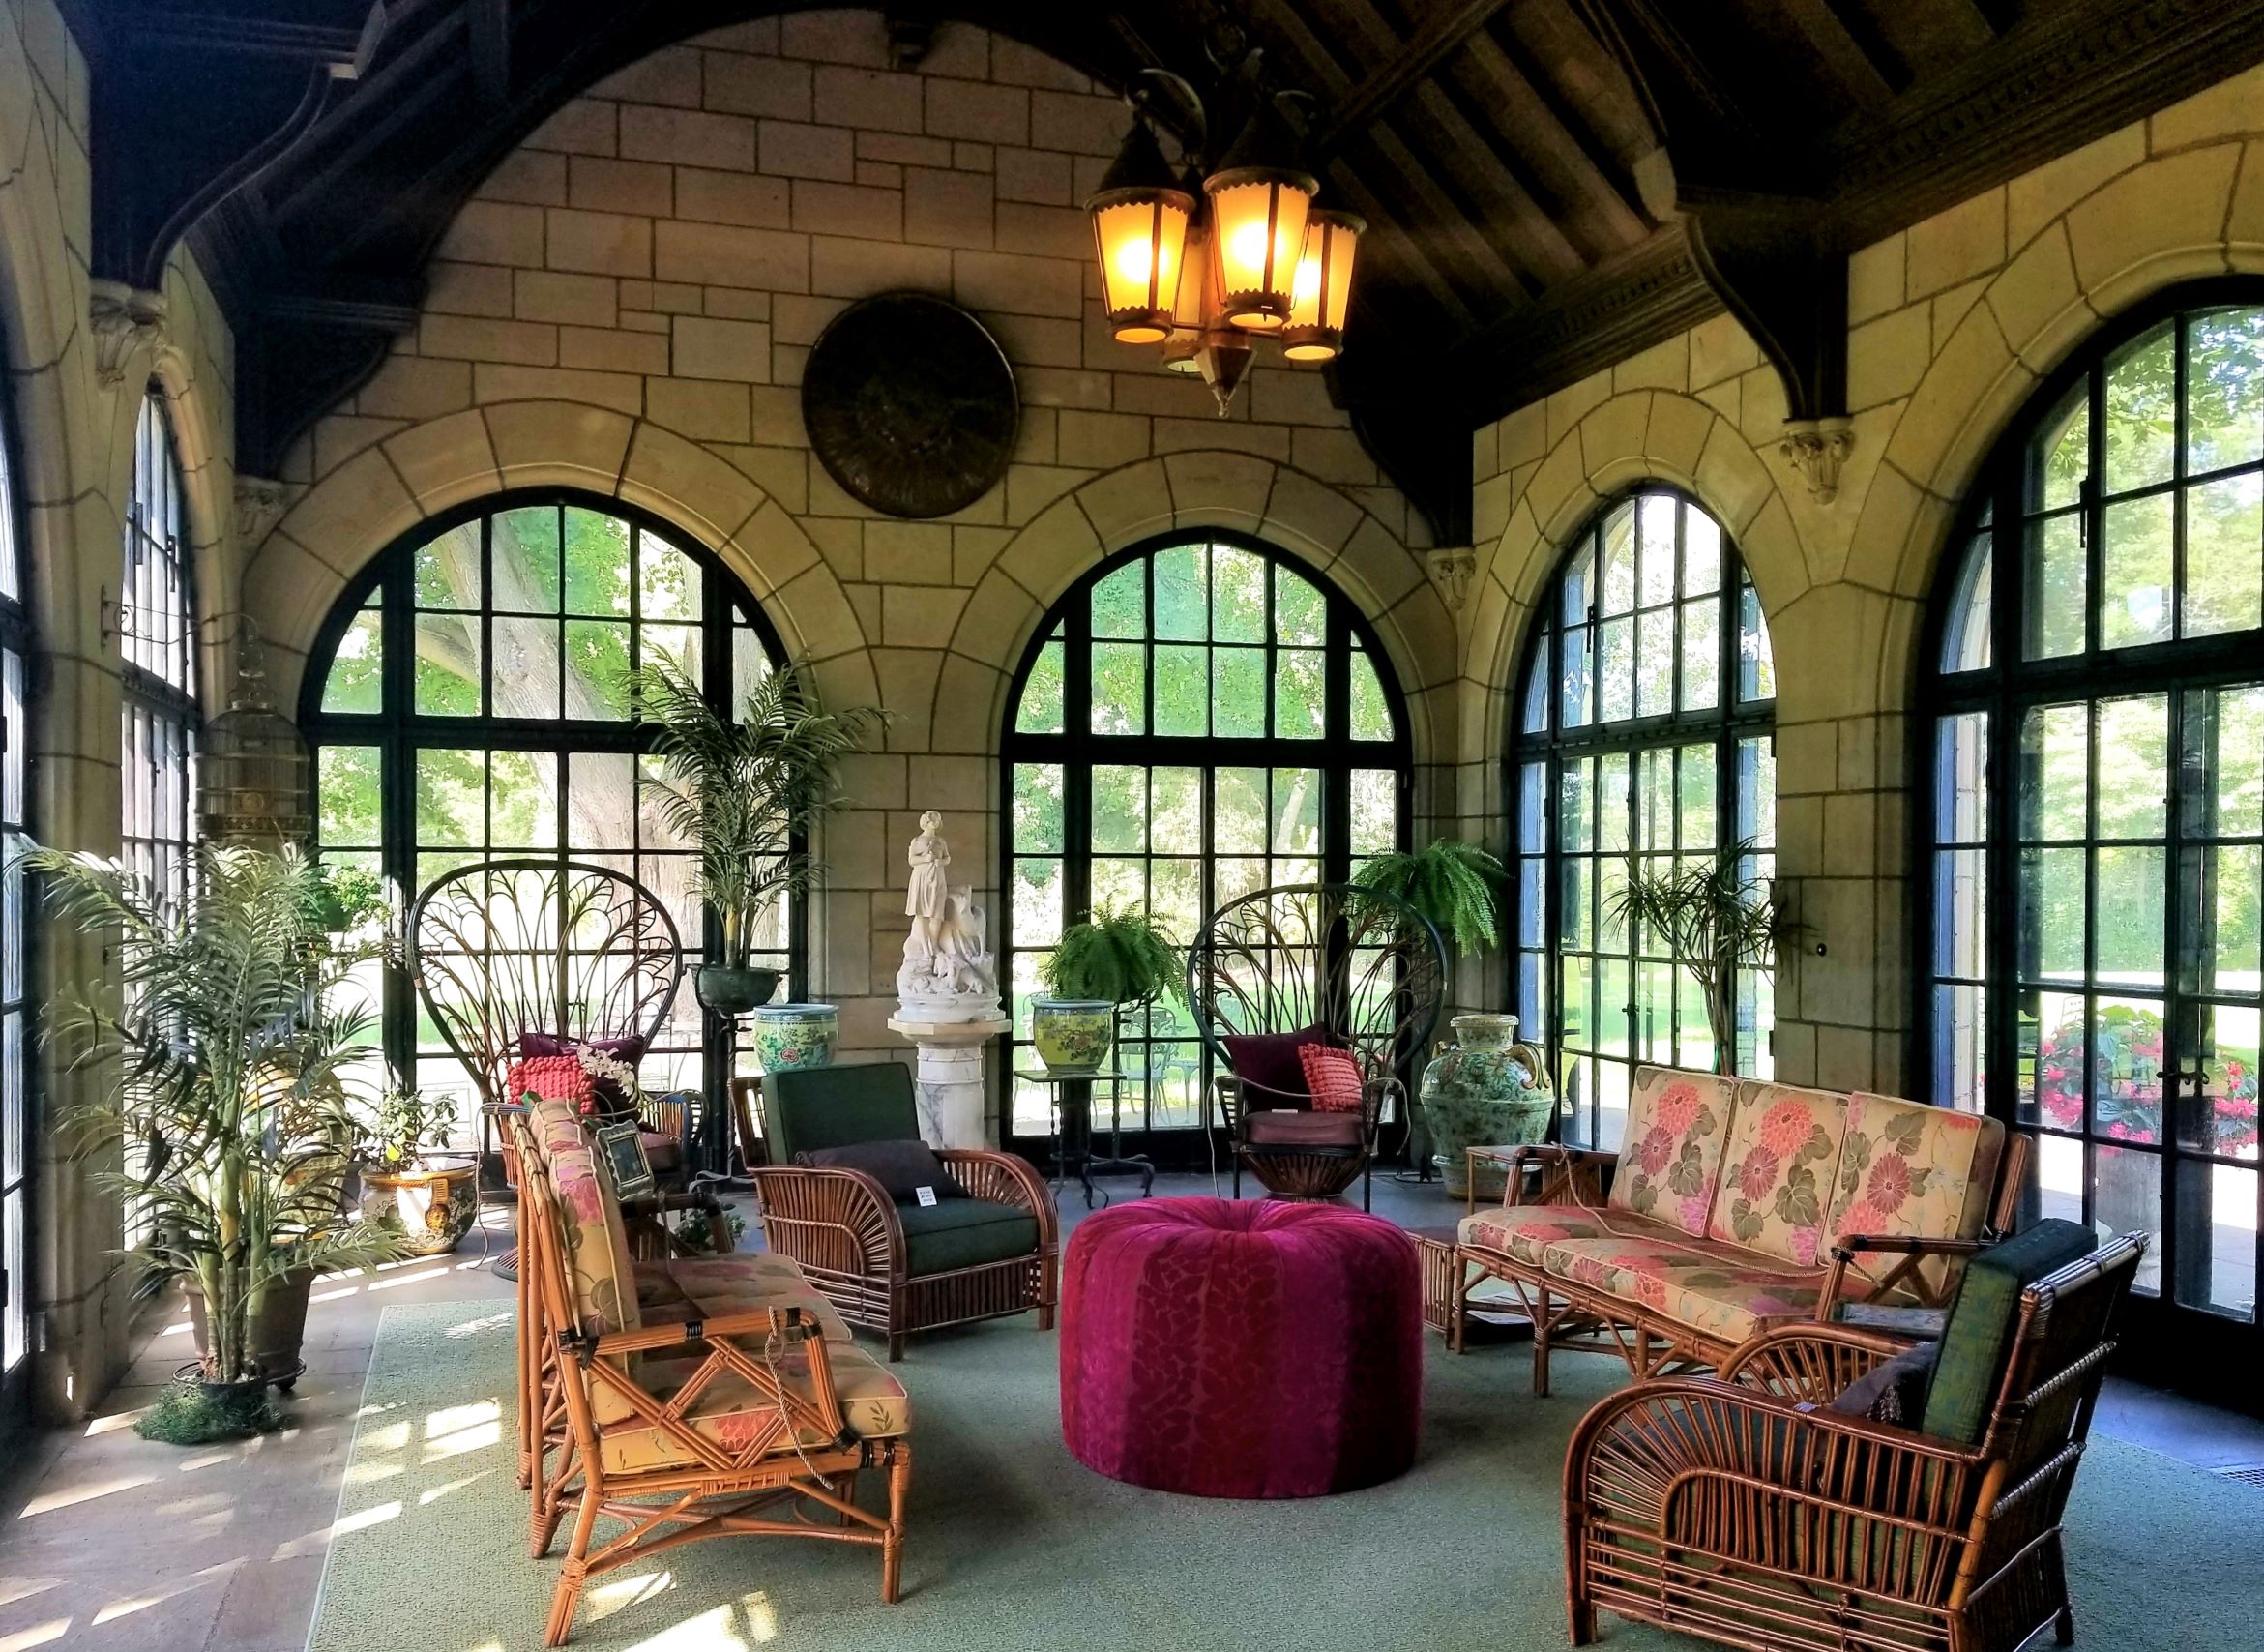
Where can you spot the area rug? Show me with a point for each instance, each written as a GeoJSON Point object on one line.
{"type": "Point", "coordinates": [1013, 1547]}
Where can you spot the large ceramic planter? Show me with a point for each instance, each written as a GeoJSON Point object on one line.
{"type": "Point", "coordinates": [1073, 1035]}
{"type": "Point", "coordinates": [732, 992]}
{"type": "Point", "coordinates": [1481, 1094]}
{"type": "Point", "coordinates": [434, 1206]}
{"type": "Point", "coordinates": [791, 1036]}
{"type": "Point", "coordinates": [277, 1331]}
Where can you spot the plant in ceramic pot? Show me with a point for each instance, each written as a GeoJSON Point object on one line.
{"type": "Point", "coordinates": [746, 790]}
{"type": "Point", "coordinates": [410, 1181]}
{"type": "Point", "coordinates": [220, 1056]}
{"type": "Point", "coordinates": [1118, 956]}
{"type": "Point", "coordinates": [1713, 918]}
{"type": "Point", "coordinates": [1476, 1093]}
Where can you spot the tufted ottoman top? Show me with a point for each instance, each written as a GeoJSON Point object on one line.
{"type": "Point", "coordinates": [1238, 1348]}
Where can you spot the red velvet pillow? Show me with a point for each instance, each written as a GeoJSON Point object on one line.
{"type": "Point", "coordinates": [616, 1098]}
{"type": "Point", "coordinates": [1333, 1076]}
{"type": "Point", "coordinates": [1267, 1063]}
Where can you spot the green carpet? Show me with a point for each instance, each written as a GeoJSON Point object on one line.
{"type": "Point", "coordinates": [1013, 1547]}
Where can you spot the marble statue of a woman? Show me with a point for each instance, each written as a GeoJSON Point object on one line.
{"type": "Point", "coordinates": [947, 974]}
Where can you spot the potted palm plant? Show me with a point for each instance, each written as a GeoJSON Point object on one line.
{"type": "Point", "coordinates": [1118, 956]}
{"type": "Point", "coordinates": [1712, 918]}
{"type": "Point", "coordinates": [747, 790]}
{"type": "Point", "coordinates": [223, 1071]}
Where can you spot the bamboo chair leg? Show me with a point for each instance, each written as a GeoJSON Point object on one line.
{"type": "Point", "coordinates": [2064, 1622]}
{"type": "Point", "coordinates": [530, 1425]}
{"type": "Point", "coordinates": [569, 1581]}
{"type": "Point", "coordinates": [1541, 1343]}
{"type": "Point", "coordinates": [891, 1543]}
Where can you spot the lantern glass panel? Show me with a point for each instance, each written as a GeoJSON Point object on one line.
{"type": "Point", "coordinates": [1258, 234]}
{"type": "Point", "coordinates": [1141, 243]}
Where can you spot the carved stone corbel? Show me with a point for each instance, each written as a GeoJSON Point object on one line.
{"type": "Point", "coordinates": [1818, 448]}
{"type": "Point", "coordinates": [122, 321]}
{"type": "Point", "coordinates": [1452, 569]}
{"type": "Point", "coordinates": [260, 504]}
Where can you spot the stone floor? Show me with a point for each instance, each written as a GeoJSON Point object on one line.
{"type": "Point", "coordinates": [109, 1541]}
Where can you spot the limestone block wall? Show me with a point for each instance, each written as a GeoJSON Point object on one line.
{"type": "Point", "coordinates": [1953, 324]}
{"type": "Point", "coordinates": [627, 305]}
{"type": "Point", "coordinates": [71, 420]}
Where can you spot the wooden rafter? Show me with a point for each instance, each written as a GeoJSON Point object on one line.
{"type": "Point", "coordinates": [1433, 42]}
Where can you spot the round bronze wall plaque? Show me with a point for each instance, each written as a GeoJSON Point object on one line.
{"type": "Point", "coordinates": [911, 404]}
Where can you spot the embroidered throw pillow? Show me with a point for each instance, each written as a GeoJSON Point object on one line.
{"type": "Point", "coordinates": [1333, 1076]}
{"type": "Point", "coordinates": [610, 1062]}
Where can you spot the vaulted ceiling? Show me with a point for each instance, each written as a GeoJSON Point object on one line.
{"type": "Point", "coordinates": [1550, 184]}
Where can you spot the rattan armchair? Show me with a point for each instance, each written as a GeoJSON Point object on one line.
{"type": "Point", "coordinates": [900, 1268]}
{"type": "Point", "coordinates": [1362, 972]}
{"type": "Point", "coordinates": [1739, 1508]}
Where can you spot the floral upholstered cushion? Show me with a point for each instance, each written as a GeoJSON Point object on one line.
{"type": "Point", "coordinates": [1697, 1283]}
{"type": "Point", "coordinates": [1915, 1172]}
{"type": "Point", "coordinates": [1670, 1159]}
{"type": "Point", "coordinates": [1531, 1232]}
{"type": "Point", "coordinates": [1776, 1174]}
{"type": "Point", "coordinates": [732, 1413]}
{"type": "Point", "coordinates": [597, 1245]}
{"type": "Point", "coordinates": [748, 1281]}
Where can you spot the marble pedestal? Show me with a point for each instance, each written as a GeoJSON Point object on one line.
{"type": "Point", "coordinates": [952, 1090]}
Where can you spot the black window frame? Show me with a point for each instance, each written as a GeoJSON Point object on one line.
{"type": "Point", "coordinates": [1729, 722]}
{"type": "Point", "coordinates": [160, 707]}
{"type": "Point", "coordinates": [1079, 750]}
{"type": "Point", "coordinates": [18, 638]}
{"type": "Point", "coordinates": [399, 730]}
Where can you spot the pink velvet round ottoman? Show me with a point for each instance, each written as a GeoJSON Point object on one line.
{"type": "Point", "coordinates": [1233, 1349]}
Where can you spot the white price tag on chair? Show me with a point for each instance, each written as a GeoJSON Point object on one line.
{"type": "Point", "coordinates": [926, 1195]}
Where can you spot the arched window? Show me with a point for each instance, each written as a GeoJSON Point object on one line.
{"type": "Point", "coordinates": [157, 627]}
{"type": "Point", "coordinates": [464, 702]}
{"type": "Point", "coordinates": [15, 912]}
{"type": "Point", "coordinates": [2094, 768]}
{"type": "Point", "coordinates": [1198, 719]}
{"type": "Point", "coordinates": [1645, 737]}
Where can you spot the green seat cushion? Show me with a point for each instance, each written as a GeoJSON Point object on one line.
{"type": "Point", "coordinates": [1978, 1338]}
{"type": "Point", "coordinates": [964, 1233]}
{"type": "Point", "coordinates": [808, 1110]}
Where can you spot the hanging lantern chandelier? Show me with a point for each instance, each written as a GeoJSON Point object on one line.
{"type": "Point", "coordinates": [1208, 261]}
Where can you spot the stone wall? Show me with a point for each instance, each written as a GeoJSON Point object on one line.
{"type": "Point", "coordinates": [72, 402]}
{"type": "Point", "coordinates": [1953, 324]}
{"type": "Point", "coordinates": [627, 305]}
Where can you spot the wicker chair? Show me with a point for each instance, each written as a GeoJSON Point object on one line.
{"type": "Point", "coordinates": [745, 1423]}
{"type": "Point", "coordinates": [899, 1268]}
{"type": "Point", "coordinates": [1366, 969]}
{"type": "Point", "coordinates": [1739, 1508]}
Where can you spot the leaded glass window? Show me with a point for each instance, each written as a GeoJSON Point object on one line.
{"type": "Point", "coordinates": [17, 1023]}
{"type": "Point", "coordinates": [2094, 775]}
{"type": "Point", "coordinates": [1645, 737]}
{"type": "Point", "coordinates": [465, 703]}
{"type": "Point", "coordinates": [1198, 720]}
{"type": "Point", "coordinates": [156, 630]}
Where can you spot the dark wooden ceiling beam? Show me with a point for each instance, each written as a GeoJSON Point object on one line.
{"type": "Point", "coordinates": [1865, 80]}
{"type": "Point", "coordinates": [488, 30]}
{"type": "Point", "coordinates": [1439, 36]}
{"type": "Point", "coordinates": [1930, 36]}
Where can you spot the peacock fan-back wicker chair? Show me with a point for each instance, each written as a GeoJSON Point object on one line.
{"type": "Point", "coordinates": [1351, 969]}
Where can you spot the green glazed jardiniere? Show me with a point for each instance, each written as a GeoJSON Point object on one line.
{"type": "Point", "coordinates": [1073, 1035]}
{"type": "Point", "coordinates": [1482, 1094]}
{"type": "Point", "coordinates": [792, 1036]}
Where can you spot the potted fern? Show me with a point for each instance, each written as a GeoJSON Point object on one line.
{"type": "Point", "coordinates": [746, 790]}
{"type": "Point", "coordinates": [223, 1064]}
{"type": "Point", "coordinates": [1118, 956]}
{"type": "Point", "coordinates": [1458, 886]}
{"type": "Point", "coordinates": [1713, 919]}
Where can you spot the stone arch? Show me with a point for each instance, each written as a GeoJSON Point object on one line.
{"type": "Point", "coordinates": [2175, 216]}
{"type": "Point", "coordinates": [1634, 437]}
{"type": "Point", "coordinates": [1289, 510]}
{"type": "Point", "coordinates": [296, 574]}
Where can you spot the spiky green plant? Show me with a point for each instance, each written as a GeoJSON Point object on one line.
{"type": "Point", "coordinates": [225, 1062]}
{"type": "Point", "coordinates": [744, 788]}
{"type": "Point", "coordinates": [1120, 954]}
{"type": "Point", "coordinates": [1712, 918]}
{"type": "Point", "coordinates": [1455, 884]}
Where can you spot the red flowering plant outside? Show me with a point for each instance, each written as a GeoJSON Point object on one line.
{"type": "Point", "coordinates": [2127, 1057]}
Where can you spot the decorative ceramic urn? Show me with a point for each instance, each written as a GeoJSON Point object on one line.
{"type": "Point", "coordinates": [1073, 1035]}
{"type": "Point", "coordinates": [788, 1036]}
{"type": "Point", "coordinates": [1483, 1091]}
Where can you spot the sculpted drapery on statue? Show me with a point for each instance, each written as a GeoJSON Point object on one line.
{"type": "Point", "coordinates": [947, 974]}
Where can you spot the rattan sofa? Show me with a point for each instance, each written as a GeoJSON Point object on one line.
{"type": "Point", "coordinates": [1735, 1207]}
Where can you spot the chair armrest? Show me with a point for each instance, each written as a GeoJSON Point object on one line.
{"type": "Point", "coordinates": [1007, 1178]}
{"type": "Point", "coordinates": [1904, 1275]}
{"type": "Point", "coordinates": [1228, 1088]}
{"type": "Point", "coordinates": [1654, 1457]}
{"type": "Point", "coordinates": [758, 1321]}
{"type": "Point", "coordinates": [839, 1220]}
{"type": "Point", "coordinates": [665, 1204]}
{"type": "Point", "coordinates": [1807, 1363]}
